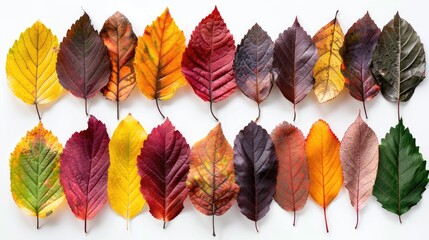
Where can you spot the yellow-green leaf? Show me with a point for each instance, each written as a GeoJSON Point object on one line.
{"type": "Point", "coordinates": [30, 66]}
{"type": "Point", "coordinates": [329, 81]}
{"type": "Point", "coordinates": [123, 185]}
{"type": "Point", "coordinates": [158, 59]}
{"type": "Point", "coordinates": [35, 172]}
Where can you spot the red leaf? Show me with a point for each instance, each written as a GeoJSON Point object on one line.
{"type": "Point", "coordinates": [207, 61]}
{"type": "Point", "coordinates": [292, 179]}
{"type": "Point", "coordinates": [359, 43]}
{"type": "Point", "coordinates": [163, 166]}
{"type": "Point", "coordinates": [83, 170]}
{"type": "Point", "coordinates": [83, 64]}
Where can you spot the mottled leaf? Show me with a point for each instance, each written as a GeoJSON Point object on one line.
{"type": "Point", "coordinates": [83, 64]}
{"type": "Point", "coordinates": [253, 65]}
{"type": "Point", "coordinates": [295, 55]}
{"type": "Point", "coordinates": [399, 61]}
{"type": "Point", "coordinates": [83, 171]}
{"type": "Point", "coordinates": [158, 59]}
{"type": "Point", "coordinates": [322, 149]}
{"type": "Point", "coordinates": [359, 44]}
{"type": "Point", "coordinates": [30, 66]}
{"type": "Point", "coordinates": [292, 179]}
{"type": "Point", "coordinates": [123, 185]}
{"type": "Point", "coordinates": [255, 166]}
{"type": "Point", "coordinates": [402, 176]}
{"type": "Point", "coordinates": [119, 38]}
{"type": "Point", "coordinates": [35, 173]}
{"type": "Point", "coordinates": [359, 160]}
{"type": "Point", "coordinates": [208, 59]}
{"type": "Point", "coordinates": [211, 180]}
{"type": "Point", "coordinates": [163, 166]}
{"type": "Point", "coordinates": [329, 81]}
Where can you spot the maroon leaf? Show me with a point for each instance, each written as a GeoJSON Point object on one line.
{"type": "Point", "coordinates": [253, 64]}
{"type": "Point", "coordinates": [83, 170]}
{"type": "Point", "coordinates": [359, 43]}
{"type": "Point", "coordinates": [83, 64]}
{"type": "Point", "coordinates": [163, 166]}
{"type": "Point", "coordinates": [208, 58]}
{"type": "Point", "coordinates": [294, 58]}
{"type": "Point", "coordinates": [292, 180]}
{"type": "Point", "coordinates": [255, 166]}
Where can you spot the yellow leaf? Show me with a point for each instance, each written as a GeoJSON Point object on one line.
{"type": "Point", "coordinates": [329, 81]}
{"type": "Point", "coordinates": [322, 149]}
{"type": "Point", "coordinates": [35, 172]}
{"type": "Point", "coordinates": [158, 59]}
{"type": "Point", "coordinates": [31, 66]}
{"type": "Point", "coordinates": [123, 185]}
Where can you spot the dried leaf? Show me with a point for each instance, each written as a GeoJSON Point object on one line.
{"type": "Point", "coordinates": [30, 66]}
{"type": "Point", "coordinates": [83, 171]}
{"type": "Point", "coordinates": [158, 59]}
{"type": "Point", "coordinates": [255, 165]}
{"type": "Point", "coordinates": [359, 44]}
{"type": "Point", "coordinates": [123, 186]}
{"type": "Point", "coordinates": [402, 176]}
{"type": "Point", "coordinates": [292, 179]}
{"type": "Point", "coordinates": [35, 173]}
{"type": "Point", "coordinates": [295, 55]}
{"type": "Point", "coordinates": [359, 159]}
{"type": "Point", "coordinates": [211, 180]}
{"type": "Point", "coordinates": [252, 65]}
{"type": "Point", "coordinates": [83, 65]}
{"type": "Point", "coordinates": [208, 59]}
{"type": "Point", "coordinates": [329, 81]}
{"type": "Point", "coordinates": [322, 149]}
{"type": "Point", "coordinates": [119, 38]}
{"type": "Point", "coordinates": [399, 61]}
{"type": "Point", "coordinates": [163, 166]}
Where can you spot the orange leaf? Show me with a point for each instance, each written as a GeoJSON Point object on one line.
{"type": "Point", "coordinates": [120, 40]}
{"type": "Point", "coordinates": [323, 155]}
{"type": "Point", "coordinates": [158, 59]}
{"type": "Point", "coordinates": [211, 180]}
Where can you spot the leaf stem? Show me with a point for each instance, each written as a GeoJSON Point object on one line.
{"type": "Point", "coordinates": [163, 226]}
{"type": "Point", "coordinates": [117, 109]}
{"type": "Point", "coordinates": [37, 110]}
{"type": "Point", "coordinates": [86, 107]}
{"type": "Point", "coordinates": [326, 220]}
{"type": "Point", "coordinates": [157, 106]}
{"type": "Point", "coordinates": [37, 221]}
{"type": "Point", "coordinates": [256, 226]}
{"type": "Point", "coordinates": [213, 223]}
{"type": "Point", "coordinates": [259, 112]}
{"type": "Point", "coordinates": [211, 110]}
{"type": "Point", "coordinates": [400, 219]}
{"type": "Point", "coordinates": [85, 226]}
{"type": "Point", "coordinates": [399, 114]}
{"type": "Point", "coordinates": [294, 111]}
{"type": "Point", "coordinates": [364, 109]}
{"type": "Point", "coordinates": [357, 218]}
{"type": "Point", "coordinates": [294, 217]}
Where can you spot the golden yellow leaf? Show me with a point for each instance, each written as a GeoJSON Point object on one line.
{"type": "Point", "coordinates": [158, 59]}
{"type": "Point", "coordinates": [329, 81]}
{"type": "Point", "coordinates": [322, 149]}
{"type": "Point", "coordinates": [31, 66]}
{"type": "Point", "coordinates": [123, 185]}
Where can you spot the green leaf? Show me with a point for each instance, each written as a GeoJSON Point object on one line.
{"type": "Point", "coordinates": [402, 174]}
{"type": "Point", "coordinates": [399, 61]}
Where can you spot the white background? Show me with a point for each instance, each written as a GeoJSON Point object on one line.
{"type": "Point", "coordinates": [191, 116]}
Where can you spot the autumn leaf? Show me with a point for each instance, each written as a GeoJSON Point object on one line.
{"type": "Point", "coordinates": [83, 171]}
{"type": "Point", "coordinates": [208, 60]}
{"type": "Point", "coordinates": [123, 180]}
{"type": "Point", "coordinates": [329, 81]}
{"type": "Point", "coordinates": [30, 66]}
{"type": "Point", "coordinates": [359, 160]}
{"type": "Point", "coordinates": [211, 181]}
{"type": "Point", "coordinates": [163, 166]}
{"type": "Point", "coordinates": [402, 176]}
{"type": "Point", "coordinates": [292, 179]}
{"type": "Point", "coordinates": [322, 149]}
{"type": "Point", "coordinates": [399, 61]}
{"type": "Point", "coordinates": [253, 65]}
{"type": "Point", "coordinates": [356, 52]}
{"type": "Point", "coordinates": [255, 165]}
{"type": "Point", "coordinates": [83, 65]}
{"type": "Point", "coordinates": [119, 38]}
{"type": "Point", "coordinates": [158, 59]}
{"type": "Point", "coordinates": [35, 173]}
{"type": "Point", "coordinates": [294, 58]}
